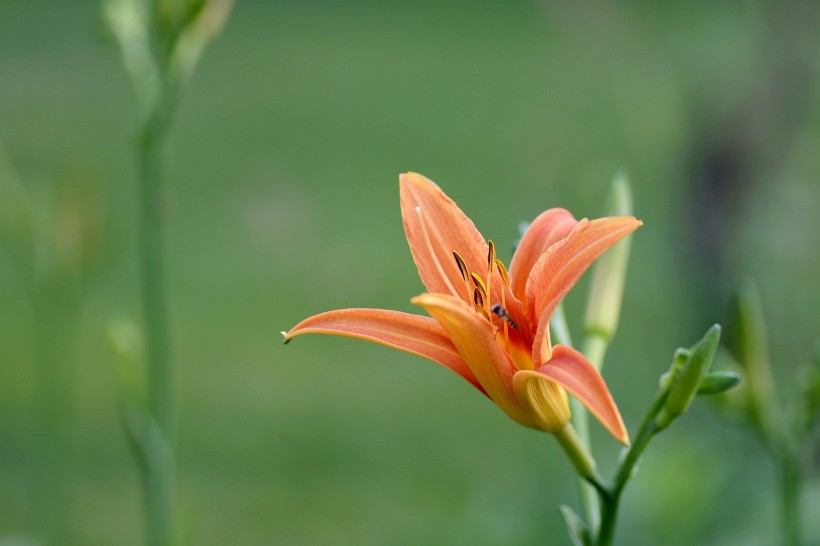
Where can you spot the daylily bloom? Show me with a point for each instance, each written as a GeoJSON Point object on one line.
{"type": "Point", "coordinates": [489, 326]}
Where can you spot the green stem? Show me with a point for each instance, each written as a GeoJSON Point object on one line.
{"type": "Point", "coordinates": [611, 502]}
{"type": "Point", "coordinates": [159, 472]}
{"type": "Point", "coordinates": [610, 499]}
{"type": "Point", "coordinates": [594, 349]}
{"type": "Point", "coordinates": [790, 498]}
{"type": "Point", "coordinates": [579, 455]}
{"type": "Point", "coordinates": [580, 420]}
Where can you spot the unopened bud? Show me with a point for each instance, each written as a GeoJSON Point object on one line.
{"type": "Point", "coordinates": [678, 362]}
{"type": "Point", "coordinates": [606, 291]}
{"type": "Point", "coordinates": [200, 31]}
{"type": "Point", "coordinates": [690, 378]}
{"type": "Point", "coordinates": [718, 382]}
{"type": "Point", "coordinates": [127, 344]}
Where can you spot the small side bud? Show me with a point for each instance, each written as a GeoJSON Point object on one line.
{"type": "Point", "coordinates": [200, 29]}
{"type": "Point", "coordinates": [678, 362]}
{"type": "Point", "coordinates": [127, 344]}
{"type": "Point", "coordinates": [718, 382]}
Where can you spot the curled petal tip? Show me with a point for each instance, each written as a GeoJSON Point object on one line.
{"type": "Point", "coordinates": [286, 338]}
{"type": "Point", "coordinates": [571, 369]}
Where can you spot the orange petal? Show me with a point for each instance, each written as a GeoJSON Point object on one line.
{"type": "Point", "coordinates": [435, 227]}
{"type": "Point", "coordinates": [475, 340]}
{"type": "Point", "coordinates": [413, 334]}
{"type": "Point", "coordinates": [558, 269]}
{"type": "Point", "coordinates": [574, 372]}
{"type": "Point", "coordinates": [548, 228]}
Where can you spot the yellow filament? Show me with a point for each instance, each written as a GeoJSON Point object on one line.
{"type": "Point", "coordinates": [432, 252]}
{"type": "Point", "coordinates": [490, 262]}
{"type": "Point", "coordinates": [504, 305]}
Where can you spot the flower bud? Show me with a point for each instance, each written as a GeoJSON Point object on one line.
{"type": "Point", "coordinates": [604, 301]}
{"type": "Point", "coordinates": [718, 382]}
{"type": "Point", "coordinates": [126, 342]}
{"type": "Point", "coordinates": [689, 379]}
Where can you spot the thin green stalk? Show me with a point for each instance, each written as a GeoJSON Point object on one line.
{"type": "Point", "coordinates": [790, 498]}
{"type": "Point", "coordinates": [594, 349]}
{"type": "Point", "coordinates": [611, 501]}
{"type": "Point", "coordinates": [159, 472]}
{"type": "Point", "coordinates": [611, 497]}
{"type": "Point", "coordinates": [580, 420]}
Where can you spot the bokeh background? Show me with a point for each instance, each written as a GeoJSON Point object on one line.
{"type": "Point", "coordinates": [286, 153]}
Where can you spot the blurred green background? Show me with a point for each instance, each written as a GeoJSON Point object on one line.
{"type": "Point", "coordinates": [286, 153]}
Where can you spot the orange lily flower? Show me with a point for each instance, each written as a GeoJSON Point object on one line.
{"type": "Point", "coordinates": [489, 326]}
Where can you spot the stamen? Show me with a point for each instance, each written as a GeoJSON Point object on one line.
{"type": "Point", "coordinates": [490, 255]}
{"type": "Point", "coordinates": [501, 313]}
{"type": "Point", "coordinates": [479, 284]}
{"type": "Point", "coordinates": [462, 265]}
{"type": "Point", "coordinates": [478, 299]}
{"type": "Point", "coordinates": [509, 322]}
{"type": "Point", "coordinates": [490, 262]}
{"type": "Point", "coordinates": [432, 252]}
{"type": "Point", "coordinates": [503, 272]}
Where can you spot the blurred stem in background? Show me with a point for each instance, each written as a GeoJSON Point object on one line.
{"type": "Point", "coordinates": [787, 432]}
{"type": "Point", "coordinates": [52, 233]}
{"type": "Point", "coordinates": [161, 43]}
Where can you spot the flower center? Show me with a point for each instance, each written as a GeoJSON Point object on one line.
{"type": "Point", "coordinates": [480, 293]}
{"type": "Point", "coordinates": [478, 289]}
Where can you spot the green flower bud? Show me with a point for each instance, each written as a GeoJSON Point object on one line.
{"type": "Point", "coordinates": [678, 362]}
{"type": "Point", "coordinates": [126, 342]}
{"type": "Point", "coordinates": [689, 379]}
{"type": "Point", "coordinates": [718, 382]}
{"type": "Point", "coordinates": [604, 301]}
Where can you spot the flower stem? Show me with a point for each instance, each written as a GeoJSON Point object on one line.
{"type": "Point", "coordinates": [159, 472]}
{"type": "Point", "coordinates": [610, 498]}
{"type": "Point", "coordinates": [791, 502]}
{"type": "Point", "coordinates": [578, 453]}
{"type": "Point", "coordinates": [611, 502]}
{"type": "Point", "coordinates": [580, 420]}
{"type": "Point", "coordinates": [595, 347]}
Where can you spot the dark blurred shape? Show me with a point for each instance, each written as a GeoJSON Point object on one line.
{"type": "Point", "coordinates": [736, 152]}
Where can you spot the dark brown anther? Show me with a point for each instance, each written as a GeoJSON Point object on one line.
{"type": "Point", "coordinates": [462, 266]}
{"type": "Point", "coordinates": [478, 299]}
{"type": "Point", "coordinates": [490, 255]}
